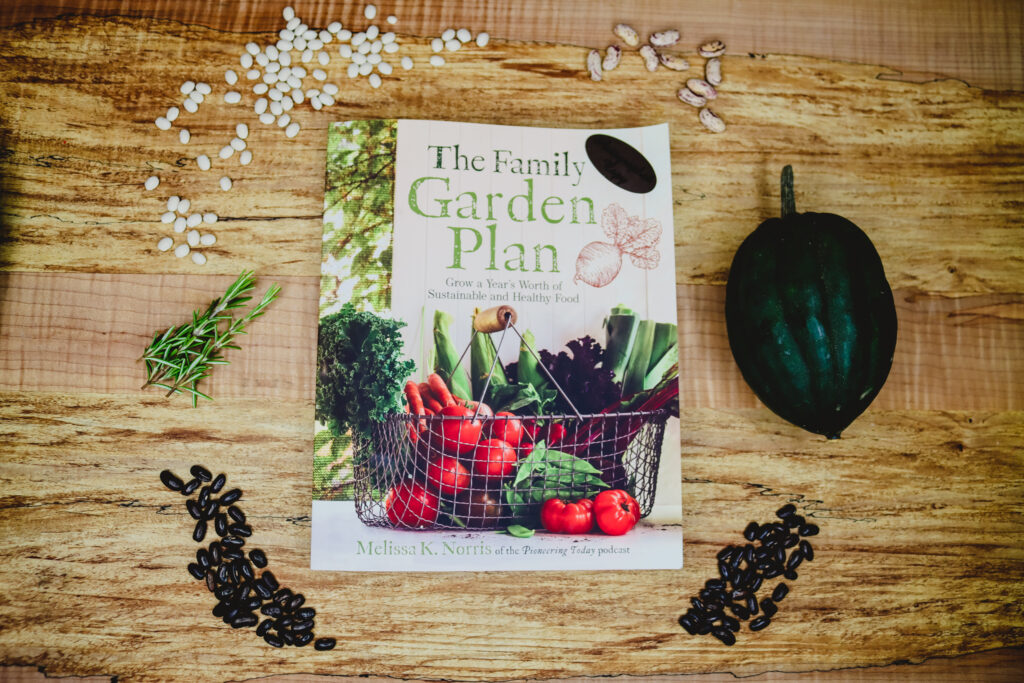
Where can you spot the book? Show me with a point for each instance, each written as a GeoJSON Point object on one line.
{"type": "Point", "coordinates": [532, 272]}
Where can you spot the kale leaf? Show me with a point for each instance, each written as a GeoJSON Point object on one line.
{"type": "Point", "coordinates": [582, 376]}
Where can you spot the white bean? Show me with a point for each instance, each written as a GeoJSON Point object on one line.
{"type": "Point", "coordinates": [353, 70]}
{"type": "Point", "coordinates": [330, 89]}
{"type": "Point", "coordinates": [232, 97]}
{"type": "Point", "coordinates": [252, 74]}
{"type": "Point", "coordinates": [370, 11]}
{"type": "Point", "coordinates": [387, 38]}
{"type": "Point", "coordinates": [448, 34]}
{"type": "Point", "coordinates": [165, 243]}
{"type": "Point", "coordinates": [260, 88]}
{"type": "Point", "coordinates": [183, 206]}
{"type": "Point", "coordinates": [286, 34]}
{"type": "Point", "coordinates": [407, 63]}
{"type": "Point", "coordinates": [334, 27]}
{"type": "Point", "coordinates": [374, 59]}
{"type": "Point", "coordinates": [452, 45]}
{"type": "Point", "coordinates": [203, 162]}
{"type": "Point", "coordinates": [315, 102]}
{"type": "Point", "coordinates": [162, 123]}
{"type": "Point", "coordinates": [226, 151]}
{"type": "Point", "coordinates": [325, 36]}
{"type": "Point", "coordinates": [261, 105]}
{"type": "Point", "coordinates": [358, 39]}
{"type": "Point", "coordinates": [208, 239]}
{"type": "Point", "coordinates": [436, 44]}
{"type": "Point", "coordinates": [272, 52]}
{"type": "Point", "coordinates": [238, 144]}
{"type": "Point", "coordinates": [384, 68]}
{"type": "Point", "coordinates": [326, 99]}
{"type": "Point", "coordinates": [184, 136]}
{"type": "Point", "coordinates": [359, 59]}
{"type": "Point", "coordinates": [245, 158]}
{"type": "Point", "coordinates": [242, 131]}
{"type": "Point", "coordinates": [276, 109]}
{"type": "Point", "coordinates": [225, 183]}
{"type": "Point", "coordinates": [266, 118]}
{"type": "Point", "coordinates": [209, 217]}
{"type": "Point", "coordinates": [190, 106]}
{"type": "Point", "coordinates": [345, 51]}
{"type": "Point", "coordinates": [181, 251]}
{"type": "Point", "coordinates": [392, 19]}
{"type": "Point", "coordinates": [375, 80]}
{"type": "Point", "coordinates": [262, 59]}
{"type": "Point", "coordinates": [283, 120]}
{"type": "Point", "coordinates": [482, 39]}
{"type": "Point", "coordinates": [297, 95]}
{"type": "Point", "coordinates": [391, 47]}
{"type": "Point", "coordinates": [273, 67]}
{"type": "Point", "coordinates": [172, 202]}
{"type": "Point", "coordinates": [231, 77]}
{"type": "Point", "coordinates": [245, 60]}
{"type": "Point", "coordinates": [364, 48]}
{"type": "Point", "coordinates": [196, 96]}
{"type": "Point", "coordinates": [320, 74]}
{"type": "Point", "coordinates": [204, 88]}
{"type": "Point", "coordinates": [285, 59]}
{"type": "Point", "coordinates": [292, 130]}
{"type": "Point", "coordinates": [297, 44]}
{"type": "Point", "coordinates": [288, 13]}
{"type": "Point", "coordinates": [193, 220]}
{"type": "Point", "coordinates": [187, 87]}
{"type": "Point", "coordinates": [179, 224]}
{"type": "Point", "coordinates": [172, 114]}
{"type": "Point", "coordinates": [198, 258]}
{"type": "Point", "coordinates": [167, 217]}
{"type": "Point", "coordinates": [372, 32]}
{"type": "Point", "coordinates": [192, 238]}
{"type": "Point", "coordinates": [436, 60]}
{"type": "Point", "coordinates": [294, 82]}
{"type": "Point", "coordinates": [152, 182]}
{"type": "Point", "coordinates": [464, 35]}
{"type": "Point", "coordinates": [365, 69]}
{"type": "Point", "coordinates": [275, 94]}
{"type": "Point", "coordinates": [252, 48]}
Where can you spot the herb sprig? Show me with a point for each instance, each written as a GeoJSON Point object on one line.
{"type": "Point", "coordinates": [179, 357]}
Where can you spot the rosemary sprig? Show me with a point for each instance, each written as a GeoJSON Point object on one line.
{"type": "Point", "coordinates": [179, 357]}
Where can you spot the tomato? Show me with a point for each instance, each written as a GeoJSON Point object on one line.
{"type": "Point", "coordinates": [494, 459]}
{"type": "Point", "coordinates": [446, 475]}
{"type": "Point", "coordinates": [485, 410]}
{"type": "Point", "coordinates": [508, 428]}
{"type": "Point", "coordinates": [480, 509]}
{"type": "Point", "coordinates": [616, 512]}
{"type": "Point", "coordinates": [560, 517]}
{"type": "Point", "coordinates": [458, 433]}
{"type": "Point", "coordinates": [410, 504]}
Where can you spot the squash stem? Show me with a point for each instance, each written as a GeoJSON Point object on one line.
{"type": "Point", "coordinates": [788, 198]}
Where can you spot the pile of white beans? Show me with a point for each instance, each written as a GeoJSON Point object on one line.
{"type": "Point", "coordinates": [279, 74]}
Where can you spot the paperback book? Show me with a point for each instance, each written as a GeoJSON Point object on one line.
{"type": "Point", "coordinates": [497, 366]}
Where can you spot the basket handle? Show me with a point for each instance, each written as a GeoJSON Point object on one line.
{"type": "Point", "coordinates": [494, 319]}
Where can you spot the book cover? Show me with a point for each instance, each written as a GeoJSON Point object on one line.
{"type": "Point", "coordinates": [497, 358]}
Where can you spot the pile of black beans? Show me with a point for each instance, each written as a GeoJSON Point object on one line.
{"type": "Point", "coordinates": [742, 569]}
{"type": "Point", "coordinates": [231, 576]}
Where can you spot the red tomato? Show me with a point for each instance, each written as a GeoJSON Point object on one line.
{"type": "Point", "coordinates": [485, 410]}
{"type": "Point", "coordinates": [616, 512]}
{"type": "Point", "coordinates": [560, 517]}
{"type": "Point", "coordinates": [458, 434]}
{"type": "Point", "coordinates": [446, 475]}
{"type": "Point", "coordinates": [494, 459]}
{"type": "Point", "coordinates": [410, 504]}
{"type": "Point", "coordinates": [508, 428]}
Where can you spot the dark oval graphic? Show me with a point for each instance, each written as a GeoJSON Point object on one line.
{"type": "Point", "coordinates": [621, 163]}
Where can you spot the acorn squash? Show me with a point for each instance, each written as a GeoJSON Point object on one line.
{"type": "Point", "coordinates": [810, 316]}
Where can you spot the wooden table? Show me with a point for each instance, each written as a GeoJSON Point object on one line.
{"type": "Point", "coordinates": [907, 118]}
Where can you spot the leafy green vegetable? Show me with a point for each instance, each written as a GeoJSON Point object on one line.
{"type": "Point", "coordinates": [519, 531]}
{"type": "Point", "coordinates": [583, 377]}
{"type": "Point", "coordinates": [360, 371]}
{"type": "Point", "coordinates": [446, 362]}
{"type": "Point", "coordinates": [546, 473]}
{"type": "Point", "coordinates": [639, 359]}
{"type": "Point", "coordinates": [620, 330]}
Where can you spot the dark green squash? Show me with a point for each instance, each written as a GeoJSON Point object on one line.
{"type": "Point", "coordinates": [811, 317]}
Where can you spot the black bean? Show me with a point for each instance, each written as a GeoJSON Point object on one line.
{"type": "Point", "coordinates": [739, 610]}
{"type": "Point", "coordinates": [210, 511]}
{"type": "Point", "coordinates": [201, 473]}
{"type": "Point", "coordinates": [750, 533]}
{"type": "Point", "coordinates": [203, 558]}
{"type": "Point", "coordinates": [193, 508]}
{"type": "Point", "coordinates": [748, 554]}
{"type": "Point", "coordinates": [196, 571]}
{"type": "Point", "coordinates": [233, 611]}
{"type": "Point", "coordinates": [765, 531]}
{"type": "Point", "coordinates": [305, 613]}
{"type": "Point", "coordinates": [230, 497]}
{"type": "Point", "coordinates": [218, 483]}
{"type": "Point", "coordinates": [245, 569]}
{"type": "Point", "coordinates": [264, 627]}
{"type": "Point", "coordinates": [752, 604]}
{"type": "Point", "coordinates": [233, 541]}
{"type": "Point", "coordinates": [282, 595]}
{"type": "Point", "coordinates": [791, 540]}
{"type": "Point", "coordinates": [199, 533]}
{"type": "Point", "coordinates": [703, 628]}
{"type": "Point", "coordinates": [324, 643]}
{"type": "Point", "coordinates": [724, 570]}
{"type": "Point", "coordinates": [287, 636]}
{"type": "Point", "coordinates": [211, 581]}
{"type": "Point", "coordinates": [725, 552]}
{"type": "Point", "coordinates": [204, 496]}
{"type": "Point", "coordinates": [794, 561]}
{"type": "Point", "coordinates": [755, 584]}
{"type": "Point", "coordinates": [687, 621]}
{"type": "Point", "coordinates": [190, 488]}
{"type": "Point", "coordinates": [714, 584]}
{"type": "Point", "coordinates": [724, 635]}
{"type": "Point", "coordinates": [271, 581]}
{"type": "Point", "coordinates": [224, 592]}
{"type": "Point", "coordinates": [296, 601]}
{"type": "Point", "coordinates": [240, 530]}
{"type": "Point", "coordinates": [785, 511]}
{"type": "Point", "coordinates": [220, 609]}
{"type": "Point", "coordinates": [254, 602]}
{"type": "Point", "coordinates": [806, 550]}
{"type": "Point", "coordinates": [303, 639]}
{"type": "Point", "coordinates": [171, 481]}
{"type": "Point", "coordinates": [768, 607]}
{"type": "Point", "coordinates": [772, 572]}
{"type": "Point", "coordinates": [271, 610]}
{"type": "Point", "coordinates": [794, 521]}
{"type": "Point", "coordinates": [224, 573]}
{"type": "Point", "coordinates": [262, 590]}
{"type": "Point", "coordinates": [760, 623]}
{"type": "Point", "coordinates": [697, 604]}
{"type": "Point", "coordinates": [258, 558]}
{"type": "Point", "coordinates": [215, 553]}
{"type": "Point", "coordinates": [236, 573]}
{"type": "Point", "coordinates": [731, 624]}
{"type": "Point", "coordinates": [231, 554]}
{"type": "Point", "coordinates": [790, 574]}
{"type": "Point", "coordinates": [244, 620]}
{"type": "Point", "coordinates": [808, 530]}
{"type": "Point", "coordinates": [304, 625]}
{"type": "Point", "coordinates": [236, 514]}
{"type": "Point", "coordinates": [273, 640]}
{"type": "Point", "coordinates": [220, 524]}
{"type": "Point", "coordinates": [780, 592]}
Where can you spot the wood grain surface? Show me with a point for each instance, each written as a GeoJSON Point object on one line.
{"type": "Point", "coordinates": [920, 503]}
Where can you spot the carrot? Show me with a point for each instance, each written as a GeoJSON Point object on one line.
{"type": "Point", "coordinates": [433, 404]}
{"type": "Point", "coordinates": [412, 392]}
{"type": "Point", "coordinates": [440, 389]}
{"type": "Point", "coordinates": [425, 391]}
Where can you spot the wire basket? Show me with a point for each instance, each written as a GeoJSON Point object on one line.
{"type": "Point", "coordinates": [484, 471]}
